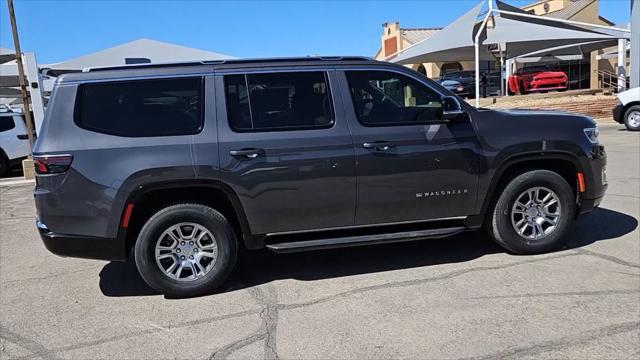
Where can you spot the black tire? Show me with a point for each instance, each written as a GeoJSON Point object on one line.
{"type": "Point", "coordinates": [4, 165]}
{"type": "Point", "coordinates": [501, 228]}
{"type": "Point", "coordinates": [633, 110]}
{"type": "Point", "coordinates": [210, 219]}
{"type": "Point", "coordinates": [522, 90]}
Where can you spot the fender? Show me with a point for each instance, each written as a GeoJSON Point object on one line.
{"type": "Point", "coordinates": [522, 158]}
{"type": "Point", "coordinates": [144, 189]}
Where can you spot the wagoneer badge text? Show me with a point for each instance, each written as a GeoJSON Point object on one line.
{"type": "Point", "coordinates": [441, 193]}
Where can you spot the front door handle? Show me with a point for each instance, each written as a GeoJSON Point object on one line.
{"type": "Point", "coordinates": [378, 145]}
{"type": "Point", "coordinates": [248, 153]}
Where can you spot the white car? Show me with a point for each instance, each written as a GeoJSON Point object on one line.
{"type": "Point", "coordinates": [14, 143]}
{"type": "Point", "coordinates": [627, 110]}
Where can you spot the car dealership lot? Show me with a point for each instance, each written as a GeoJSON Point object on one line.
{"type": "Point", "coordinates": [461, 297]}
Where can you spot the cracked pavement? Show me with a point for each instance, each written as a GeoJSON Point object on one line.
{"type": "Point", "coordinates": [461, 297]}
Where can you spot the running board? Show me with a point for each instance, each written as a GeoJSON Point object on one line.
{"type": "Point", "coordinates": [331, 243]}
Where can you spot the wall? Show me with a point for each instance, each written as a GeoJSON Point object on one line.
{"type": "Point", "coordinates": [539, 7]}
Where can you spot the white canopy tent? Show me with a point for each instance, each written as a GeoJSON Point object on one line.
{"type": "Point", "coordinates": [137, 51]}
{"type": "Point", "coordinates": [515, 34]}
{"type": "Point", "coordinates": [453, 42]}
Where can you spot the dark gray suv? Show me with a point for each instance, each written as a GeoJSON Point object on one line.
{"type": "Point", "coordinates": [182, 165]}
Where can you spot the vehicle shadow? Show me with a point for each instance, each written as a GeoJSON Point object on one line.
{"type": "Point", "coordinates": [259, 267]}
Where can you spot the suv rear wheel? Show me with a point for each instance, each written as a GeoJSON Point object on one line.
{"type": "Point", "coordinates": [186, 250]}
{"type": "Point", "coordinates": [533, 213]}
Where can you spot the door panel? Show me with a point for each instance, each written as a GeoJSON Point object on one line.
{"type": "Point", "coordinates": [422, 169]}
{"type": "Point", "coordinates": [286, 180]}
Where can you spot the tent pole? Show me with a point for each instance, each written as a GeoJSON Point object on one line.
{"type": "Point", "coordinates": [476, 45]}
{"type": "Point", "coordinates": [477, 49]}
{"type": "Point", "coordinates": [622, 73]}
{"type": "Point", "coordinates": [507, 74]}
{"type": "Point", "coordinates": [501, 73]}
{"type": "Point", "coordinates": [23, 81]}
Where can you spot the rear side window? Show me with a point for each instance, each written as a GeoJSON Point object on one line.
{"type": "Point", "coordinates": [278, 101]}
{"type": "Point", "coordinates": [6, 123]}
{"type": "Point", "coordinates": [140, 108]}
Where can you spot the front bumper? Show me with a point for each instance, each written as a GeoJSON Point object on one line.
{"type": "Point", "coordinates": [617, 113]}
{"type": "Point", "coordinates": [86, 247]}
{"type": "Point", "coordinates": [548, 84]}
{"type": "Point", "coordinates": [595, 178]}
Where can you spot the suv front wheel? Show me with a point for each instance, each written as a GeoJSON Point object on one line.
{"type": "Point", "coordinates": [632, 118]}
{"type": "Point", "coordinates": [186, 250]}
{"type": "Point", "coordinates": [533, 213]}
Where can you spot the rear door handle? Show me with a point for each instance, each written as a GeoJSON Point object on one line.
{"type": "Point", "coordinates": [22, 137]}
{"type": "Point", "coordinates": [248, 153]}
{"type": "Point", "coordinates": [378, 145]}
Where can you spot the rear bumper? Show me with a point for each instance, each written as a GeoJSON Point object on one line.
{"type": "Point", "coordinates": [617, 113]}
{"type": "Point", "coordinates": [16, 162]}
{"type": "Point", "coordinates": [86, 247]}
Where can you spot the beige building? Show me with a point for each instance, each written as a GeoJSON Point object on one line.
{"type": "Point", "coordinates": [583, 73]}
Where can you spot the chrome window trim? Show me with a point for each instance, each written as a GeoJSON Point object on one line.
{"type": "Point", "coordinates": [392, 70]}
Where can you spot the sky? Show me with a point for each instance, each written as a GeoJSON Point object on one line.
{"type": "Point", "coordinates": [60, 30]}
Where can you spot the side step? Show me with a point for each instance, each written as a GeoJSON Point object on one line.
{"type": "Point", "coordinates": [331, 243]}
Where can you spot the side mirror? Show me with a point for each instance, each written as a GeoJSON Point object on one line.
{"type": "Point", "coordinates": [451, 108]}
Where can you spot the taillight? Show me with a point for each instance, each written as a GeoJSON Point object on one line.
{"type": "Point", "coordinates": [52, 164]}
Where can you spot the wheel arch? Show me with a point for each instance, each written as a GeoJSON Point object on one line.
{"type": "Point", "coordinates": [626, 108]}
{"type": "Point", "coordinates": [517, 164]}
{"type": "Point", "coordinates": [150, 198]}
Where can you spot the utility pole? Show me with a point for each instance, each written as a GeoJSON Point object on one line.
{"type": "Point", "coordinates": [634, 68]}
{"type": "Point", "coordinates": [21, 77]}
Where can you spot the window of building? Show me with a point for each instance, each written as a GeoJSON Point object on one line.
{"type": "Point", "coordinates": [383, 98]}
{"type": "Point", "coordinates": [140, 108]}
{"type": "Point", "coordinates": [449, 67]}
{"type": "Point", "coordinates": [278, 101]}
{"type": "Point", "coordinates": [6, 123]}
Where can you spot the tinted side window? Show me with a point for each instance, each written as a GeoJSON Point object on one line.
{"type": "Point", "coordinates": [6, 123]}
{"type": "Point", "coordinates": [278, 101]}
{"type": "Point", "coordinates": [383, 98]}
{"type": "Point", "coordinates": [159, 107]}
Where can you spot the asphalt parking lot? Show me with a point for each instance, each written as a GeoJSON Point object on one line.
{"type": "Point", "coordinates": [461, 297]}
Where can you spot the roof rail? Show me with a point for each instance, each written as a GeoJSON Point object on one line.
{"type": "Point", "coordinates": [228, 61]}
{"type": "Point", "coordinates": [152, 65]}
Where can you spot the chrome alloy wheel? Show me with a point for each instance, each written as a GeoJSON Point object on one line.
{"type": "Point", "coordinates": [634, 119]}
{"type": "Point", "coordinates": [186, 251]}
{"type": "Point", "coordinates": [536, 213]}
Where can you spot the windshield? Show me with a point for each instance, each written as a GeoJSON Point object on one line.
{"type": "Point", "coordinates": [535, 69]}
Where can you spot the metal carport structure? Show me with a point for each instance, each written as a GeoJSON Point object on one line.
{"type": "Point", "coordinates": [513, 33]}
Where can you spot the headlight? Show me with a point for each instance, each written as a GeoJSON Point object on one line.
{"type": "Point", "coordinates": [592, 134]}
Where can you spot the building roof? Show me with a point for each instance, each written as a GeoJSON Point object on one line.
{"type": "Point", "coordinates": [415, 35]}
{"type": "Point", "coordinates": [574, 7]}
{"type": "Point", "coordinates": [141, 49]}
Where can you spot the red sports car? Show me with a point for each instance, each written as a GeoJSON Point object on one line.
{"type": "Point", "coordinates": [537, 78]}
